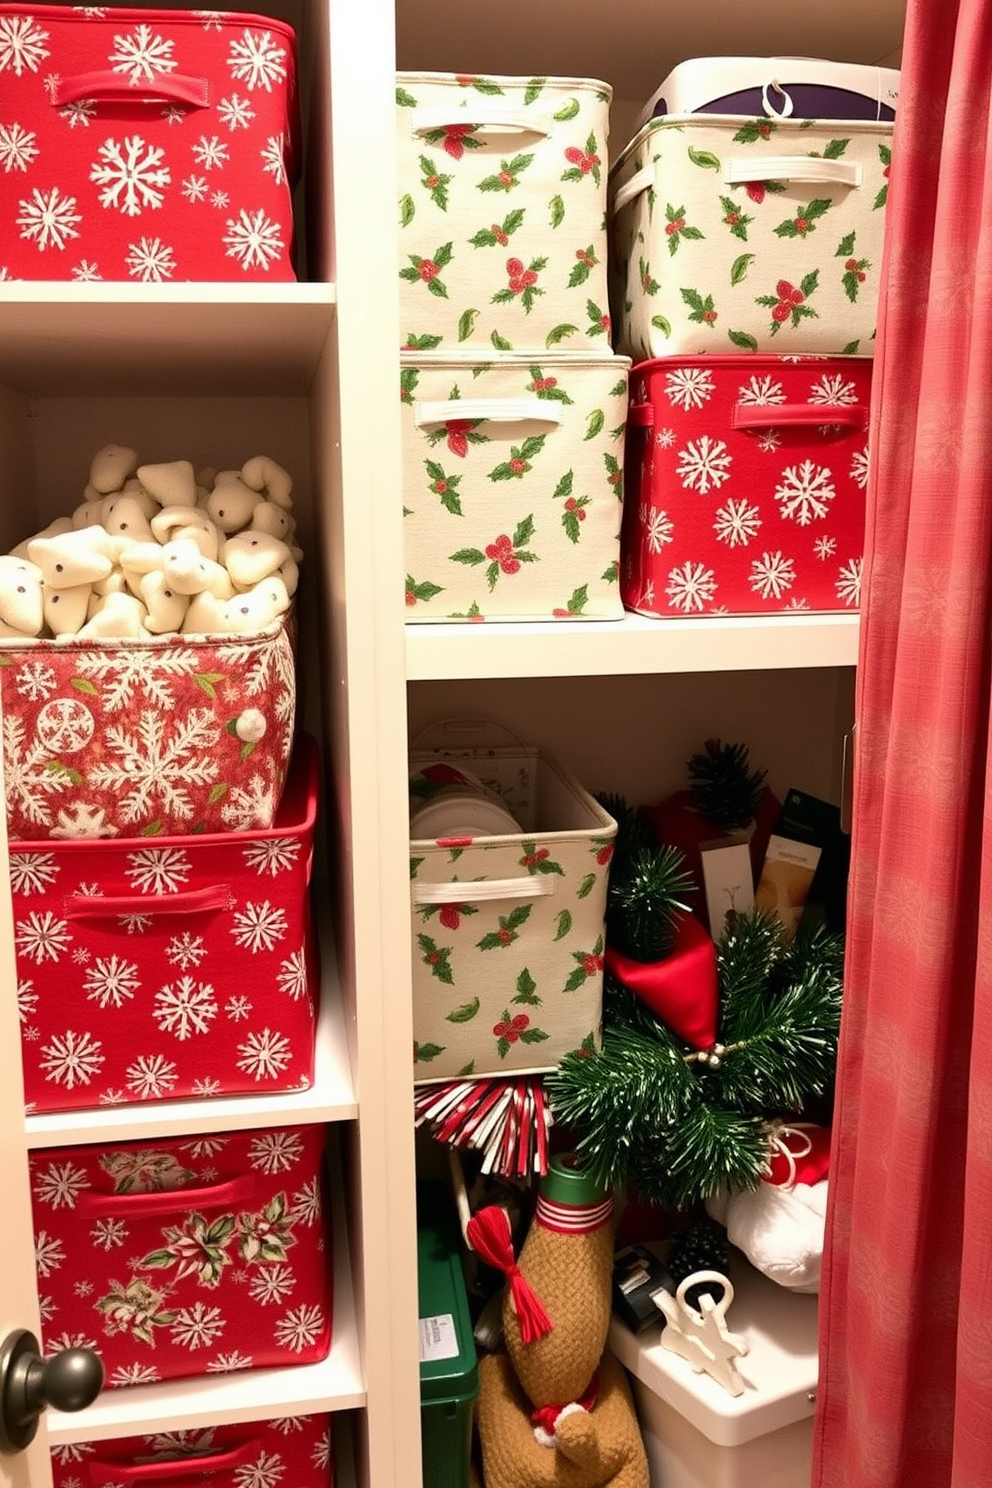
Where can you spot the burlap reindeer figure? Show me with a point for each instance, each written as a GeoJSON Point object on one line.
{"type": "Point", "coordinates": [555, 1410]}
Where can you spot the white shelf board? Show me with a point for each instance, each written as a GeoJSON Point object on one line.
{"type": "Point", "coordinates": [635, 644]}
{"type": "Point", "coordinates": [123, 339]}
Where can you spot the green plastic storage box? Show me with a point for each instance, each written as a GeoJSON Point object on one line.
{"type": "Point", "coordinates": [449, 1376]}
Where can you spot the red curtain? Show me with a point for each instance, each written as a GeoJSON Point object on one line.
{"type": "Point", "coordinates": [905, 1395]}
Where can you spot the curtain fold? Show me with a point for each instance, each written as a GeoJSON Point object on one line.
{"type": "Point", "coordinates": [905, 1396]}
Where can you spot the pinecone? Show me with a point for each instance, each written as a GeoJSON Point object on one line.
{"type": "Point", "coordinates": [723, 787]}
{"type": "Point", "coordinates": [699, 1246]}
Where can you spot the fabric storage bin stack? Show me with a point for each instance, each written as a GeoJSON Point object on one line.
{"type": "Point", "coordinates": [743, 245]}
{"type": "Point", "coordinates": [514, 403]}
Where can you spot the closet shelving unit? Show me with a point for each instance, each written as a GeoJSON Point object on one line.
{"type": "Point", "coordinates": [306, 373]}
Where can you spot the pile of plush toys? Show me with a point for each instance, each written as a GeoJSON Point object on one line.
{"type": "Point", "coordinates": [156, 550]}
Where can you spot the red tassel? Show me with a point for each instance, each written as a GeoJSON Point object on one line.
{"type": "Point", "coordinates": [489, 1234]}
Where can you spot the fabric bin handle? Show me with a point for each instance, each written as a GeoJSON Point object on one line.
{"type": "Point", "coordinates": [486, 889]}
{"type": "Point", "coordinates": [792, 168]}
{"type": "Point", "coordinates": [110, 87]}
{"type": "Point", "coordinates": [489, 410]}
{"type": "Point", "coordinates": [230, 1195]}
{"type": "Point", "coordinates": [173, 1470]}
{"type": "Point", "coordinates": [103, 906]}
{"type": "Point", "coordinates": [778, 415]}
{"type": "Point", "coordinates": [638, 183]}
{"type": "Point", "coordinates": [484, 116]}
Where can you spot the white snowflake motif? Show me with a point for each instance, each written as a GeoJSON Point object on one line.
{"type": "Point", "coordinates": [737, 522]}
{"type": "Point", "coordinates": [237, 1008]}
{"type": "Point", "coordinates": [108, 1234]}
{"type": "Point", "coordinates": [183, 1443]}
{"type": "Point", "coordinates": [81, 956]}
{"type": "Point", "coordinates": [276, 1152]}
{"type": "Point", "coordinates": [265, 1055]}
{"type": "Point", "coordinates": [859, 468]}
{"type": "Point", "coordinates": [206, 1088]}
{"type": "Point", "coordinates": [32, 873]}
{"type": "Point", "coordinates": [798, 604]}
{"type": "Point", "coordinates": [158, 870]}
{"type": "Point", "coordinates": [27, 1001]}
{"type": "Point", "coordinates": [704, 462]}
{"type": "Point", "coordinates": [274, 158]}
{"type": "Point", "coordinates": [134, 1374]}
{"type": "Point", "coordinates": [769, 441]}
{"type": "Point", "coordinates": [86, 272]}
{"type": "Point", "coordinates": [62, 1341]}
{"type": "Point", "coordinates": [211, 153]}
{"type": "Point", "coordinates": [65, 725]}
{"type": "Point", "coordinates": [150, 260]}
{"type": "Point", "coordinates": [772, 575]}
{"type": "Point", "coordinates": [321, 1454]}
{"type": "Point", "coordinates": [825, 547]}
{"type": "Point", "coordinates": [198, 1326]}
{"type": "Point", "coordinates": [264, 1472]}
{"type": "Point", "coordinates": [32, 1034]}
{"type": "Point", "coordinates": [228, 1363]}
{"type": "Point", "coordinates": [849, 583]}
{"type": "Point", "coordinates": [833, 389]}
{"type": "Point", "coordinates": [135, 924]}
{"type": "Point", "coordinates": [292, 976]}
{"type": "Point", "coordinates": [174, 115]}
{"type": "Point", "coordinates": [287, 1425]}
{"type": "Point", "coordinates": [665, 438]}
{"type": "Point", "coordinates": [300, 1328]}
{"type": "Point", "coordinates": [194, 188]}
{"type": "Point", "coordinates": [273, 856]}
{"type": "Point", "coordinates": [49, 1253]}
{"type": "Point", "coordinates": [82, 1288]}
{"type": "Point", "coordinates": [22, 44]}
{"type": "Point", "coordinates": [17, 147]}
{"type": "Point", "coordinates": [153, 764]}
{"type": "Point", "coordinates": [307, 1206]}
{"type": "Point", "coordinates": [805, 493]}
{"type": "Point", "coordinates": [112, 1098]}
{"type": "Point", "coordinates": [47, 1308]}
{"type": "Point", "coordinates": [691, 587]}
{"type": "Point", "coordinates": [211, 20]}
{"type": "Point", "coordinates": [253, 239]}
{"type": "Point", "coordinates": [658, 528]}
{"type": "Point", "coordinates": [758, 392]}
{"type": "Point", "coordinates": [42, 937]}
{"type": "Point", "coordinates": [132, 175]}
{"type": "Point", "coordinates": [185, 1008]}
{"type": "Point", "coordinates": [112, 981]}
{"type": "Point", "coordinates": [248, 807]}
{"type": "Point", "coordinates": [142, 55]}
{"type": "Point", "coordinates": [186, 950]}
{"type": "Point", "coordinates": [259, 927]}
{"type": "Point", "coordinates": [35, 681]}
{"type": "Point", "coordinates": [236, 112]}
{"type": "Point", "coordinates": [60, 1185]}
{"type": "Point", "coordinates": [256, 60]}
{"type": "Point", "coordinates": [220, 199]}
{"type": "Point", "coordinates": [689, 387]}
{"type": "Point", "coordinates": [79, 113]}
{"type": "Point", "coordinates": [80, 820]}
{"type": "Point", "coordinates": [272, 1284]}
{"type": "Point", "coordinates": [72, 1059]}
{"type": "Point", "coordinates": [72, 1451]}
{"type": "Point", "coordinates": [151, 1076]}
{"type": "Point", "coordinates": [48, 219]}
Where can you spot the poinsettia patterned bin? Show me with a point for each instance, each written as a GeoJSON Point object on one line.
{"type": "Point", "coordinates": [169, 968]}
{"type": "Point", "coordinates": [508, 931]}
{"type": "Point", "coordinates": [152, 145]}
{"type": "Point", "coordinates": [189, 1256]}
{"type": "Point", "coordinates": [503, 211]}
{"type": "Point", "coordinates": [288, 1450]}
{"type": "Point", "coordinates": [166, 735]}
{"type": "Point", "coordinates": [736, 234]}
{"type": "Point", "coordinates": [512, 486]}
{"type": "Point", "coordinates": [746, 478]}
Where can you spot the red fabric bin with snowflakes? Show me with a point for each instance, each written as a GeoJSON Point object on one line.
{"type": "Point", "coordinates": [745, 479]}
{"type": "Point", "coordinates": [184, 1257]}
{"type": "Point", "coordinates": [152, 145]}
{"type": "Point", "coordinates": [286, 1452]}
{"type": "Point", "coordinates": [168, 968]}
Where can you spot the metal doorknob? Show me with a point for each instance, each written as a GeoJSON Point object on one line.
{"type": "Point", "coordinates": [70, 1381]}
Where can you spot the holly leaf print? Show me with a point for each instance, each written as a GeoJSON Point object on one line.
{"type": "Point", "coordinates": [835, 148]}
{"type": "Point", "coordinates": [508, 932]}
{"type": "Point", "coordinates": [454, 139]}
{"type": "Point", "coordinates": [520, 457]}
{"type": "Point", "coordinates": [649, 285]}
{"type": "Point", "coordinates": [486, 86]}
{"type": "Point", "coordinates": [445, 486]}
{"type": "Point", "coordinates": [705, 159]}
{"type": "Point", "coordinates": [567, 111]}
{"type": "Point", "coordinates": [526, 989]}
{"type": "Point", "coordinates": [534, 88]}
{"type": "Point", "coordinates": [424, 1053]}
{"type": "Point", "coordinates": [586, 261]}
{"type": "Point", "coordinates": [571, 520]}
{"type": "Point", "coordinates": [436, 184]}
{"type": "Point", "coordinates": [700, 310]}
{"type": "Point", "coordinates": [563, 924]}
{"type": "Point", "coordinates": [508, 174]}
{"type": "Point", "coordinates": [405, 99]}
{"type": "Point", "coordinates": [583, 163]}
{"type": "Point", "coordinates": [885, 156]}
{"type": "Point", "coordinates": [740, 266]}
{"type": "Point", "coordinates": [586, 886]}
{"type": "Point", "coordinates": [564, 486]}
{"type": "Point", "coordinates": [676, 228]}
{"type": "Point", "coordinates": [435, 958]}
{"type": "Point", "coordinates": [614, 474]}
{"type": "Point", "coordinates": [599, 321]}
{"type": "Point", "coordinates": [422, 591]}
{"type": "Point", "coordinates": [407, 210]}
{"type": "Point", "coordinates": [577, 601]}
{"type": "Point", "coordinates": [804, 221]}
{"type": "Point", "coordinates": [428, 269]}
{"type": "Point", "coordinates": [421, 343]}
{"type": "Point", "coordinates": [594, 424]}
{"type": "Point", "coordinates": [499, 233]}
{"type": "Point", "coordinates": [538, 860]}
{"type": "Point", "coordinates": [466, 324]}
{"type": "Point", "coordinates": [559, 333]}
{"type": "Point", "coordinates": [557, 211]}
{"type": "Point", "coordinates": [547, 388]}
{"type": "Point", "coordinates": [465, 1013]}
{"type": "Point", "coordinates": [500, 342]}
{"type": "Point", "coordinates": [409, 377]}
{"type": "Point", "coordinates": [754, 130]}
{"type": "Point", "coordinates": [743, 340]}
{"type": "Point", "coordinates": [736, 220]}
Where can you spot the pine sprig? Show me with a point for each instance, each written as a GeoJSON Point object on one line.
{"type": "Point", "coordinates": [724, 788]}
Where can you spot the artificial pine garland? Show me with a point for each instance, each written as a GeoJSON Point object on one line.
{"type": "Point", "coordinates": [723, 786]}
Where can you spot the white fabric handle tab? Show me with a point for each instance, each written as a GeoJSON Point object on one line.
{"type": "Point", "coordinates": [483, 891]}
{"type": "Point", "coordinates": [639, 182]}
{"type": "Point", "coordinates": [492, 410]}
{"type": "Point", "coordinates": [792, 168]}
{"type": "Point", "coordinates": [482, 116]}
{"type": "Point", "coordinates": [785, 112]}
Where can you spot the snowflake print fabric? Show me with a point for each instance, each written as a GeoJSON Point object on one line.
{"type": "Point", "coordinates": [284, 1452]}
{"type": "Point", "coordinates": [148, 145]}
{"type": "Point", "coordinates": [165, 969]}
{"type": "Point", "coordinates": [185, 1258]}
{"type": "Point", "coordinates": [747, 479]}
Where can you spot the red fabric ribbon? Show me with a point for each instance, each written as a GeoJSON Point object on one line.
{"type": "Point", "coordinates": [546, 1416]}
{"type": "Point", "coordinates": [490, 1235]}
{"type": "Point", "coordinates": [682, 989]}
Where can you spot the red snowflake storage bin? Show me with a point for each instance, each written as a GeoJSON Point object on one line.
{"type": "Point", "coordinates": [167, 969]}
{"type": "Point", "coordinates": [190, 1256]}
{"type": "Point", "coordinates": [146, 144]}
{"type": "Point", "coordinates": [746, 482]}
{"type": "Point", "coordinates": [294, 1451]}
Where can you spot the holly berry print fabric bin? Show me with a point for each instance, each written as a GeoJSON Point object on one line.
{"type": "Point", "coordinates": [186, 1257]}
{"type": "Point", "coordinates": [294, 1451]}
{"type": "Point", "coordinates": [172, 734]}
{"type": "Point", "coordinates": [512, 486]}
{"type": "Point", "coordinates": [502, 215]}
{"type": "Point", "coordinates": [146, 145]}
{"type": "Point", "coordinates": [737, 234]}
{"type": "Point", "coordinates": [508, 933]}
{"type": "Point", "coordinates": [167, 969]}
{"type": "Point", "coordinates": [746, 479]}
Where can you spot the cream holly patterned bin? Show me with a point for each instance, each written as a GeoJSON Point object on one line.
{"type": "Point", "coordinates": [513, 485]}
{"type": "Point", "coordinates": [189, 1256]}
{"type": "Point", "coordinates": [748, 234]}
{"type": "Point", "coordinates": [503, 211]}
{"type": "Point", "coordinates": [508, 931]}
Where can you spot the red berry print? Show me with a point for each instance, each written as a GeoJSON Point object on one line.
{"type": "Point", "coordinates": [604, 855]}
{"type": "Point", "coordinates": [428, 270]}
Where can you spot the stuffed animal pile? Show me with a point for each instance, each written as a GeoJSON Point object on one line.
{"type": "Point", "coordinates": [156, 550]}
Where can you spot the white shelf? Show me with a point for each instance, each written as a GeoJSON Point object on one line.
{"type": "Point", "coordinates": [633, 645]}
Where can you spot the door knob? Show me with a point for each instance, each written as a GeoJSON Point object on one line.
{"type": "Point", "coordinates": [70, 1381]}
